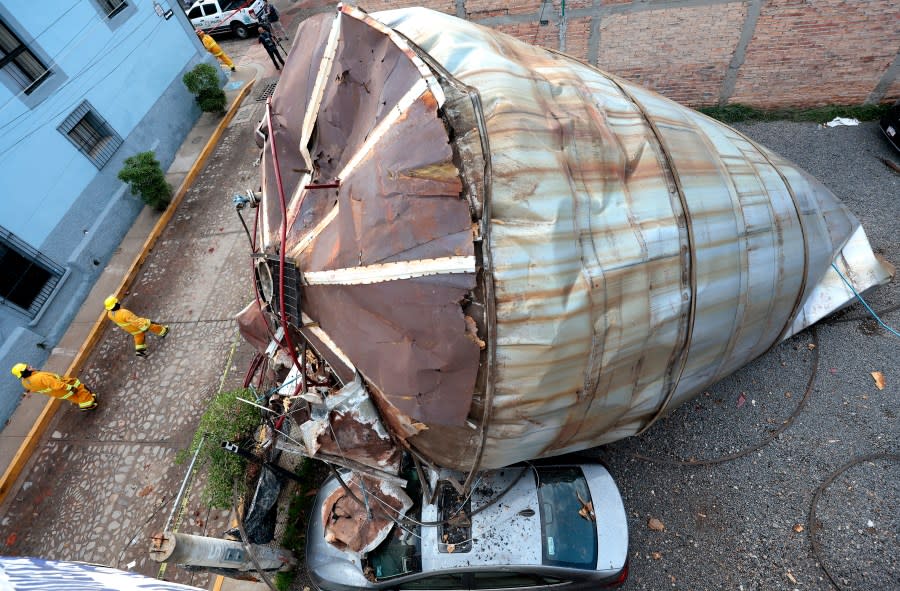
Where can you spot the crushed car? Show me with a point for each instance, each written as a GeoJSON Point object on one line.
{"type": "Point", "coordinates": [526, 526]}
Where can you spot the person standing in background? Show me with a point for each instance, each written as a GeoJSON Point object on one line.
{"type": "Point", "coordinates": [271, 16]}
{"type": "Point", "coordinates": [266, 39]}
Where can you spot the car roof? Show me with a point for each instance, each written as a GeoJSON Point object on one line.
{"type": "Point", "coordinates": [507, 531]}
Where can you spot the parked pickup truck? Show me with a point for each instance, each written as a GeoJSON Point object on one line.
{"type": "Point", "coordinates": [224, 16]}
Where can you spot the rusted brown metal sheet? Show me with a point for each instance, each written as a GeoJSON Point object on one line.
{"type": "Point", "coordinates": [526, 256]}
{"type": "Point", "coordinates": [353, 530]}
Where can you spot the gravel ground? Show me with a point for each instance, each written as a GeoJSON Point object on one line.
{"type": "Point", "coordinates": [743, 522]}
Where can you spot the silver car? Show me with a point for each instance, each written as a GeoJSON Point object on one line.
{"type": "Point", "coordinates": [526, 526]}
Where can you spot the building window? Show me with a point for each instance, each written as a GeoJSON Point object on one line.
{"type": "Point", "coordinates": [112, 7]}
{"type": "Point", "coordinates": [27, 278]}
{"type": "Point", "coordinates": [91, 134]}
{"type": "Point", "coordinates": [19, 62]}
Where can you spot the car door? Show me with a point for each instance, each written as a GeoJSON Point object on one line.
{"type": "Point", "coordinates": [496, 580]}
{"type": "Point", "coordinates": [195, 15]}
{"type": "Point", "coordinates": [211, 15]}
{"type": "Point", "coordinates": [435, 582]}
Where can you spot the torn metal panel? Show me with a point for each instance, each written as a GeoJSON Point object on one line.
{"type": "Point", "coordinates": [351, 529]}
{"type": "Point", "coordinates": [254, 327]}
{"type": "Point", "coordinates": [331, 421]}
{"type": "Point", "coordinates": [526, 256]}
{"type": "Point", "coordinates": [301, 85]}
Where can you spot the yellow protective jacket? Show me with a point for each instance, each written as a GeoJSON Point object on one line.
{"type": "Point", "coordinates": [51, 384]}
{"type": "Point", "coordinates": [128, 321]}
{"type": "Point", "coordinates": [210, 44]}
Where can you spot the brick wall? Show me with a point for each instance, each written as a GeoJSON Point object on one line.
{"type": "Point", "coordinates": [765, 53]}
{"type": "Point", "coordinates": [806, 53]}
{"type": "Point", "coordinates": [682, 53]}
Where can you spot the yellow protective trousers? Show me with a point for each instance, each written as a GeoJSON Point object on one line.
{"type": "Point", "coordinates": [135, 326]}
{"type": "Point", "coordinates": [140, 337]}
{"type": "Point", "coordinates": [211, 46]}
{"type": "Point", "coordinates": [64, 388]}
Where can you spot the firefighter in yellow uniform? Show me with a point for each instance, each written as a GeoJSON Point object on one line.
{"type": "Point", "coordinates": [133, 324]}
{"type": "Point", "coordinates": [55, 386]}
{"type": "Point", "coordinates": [211, 46]}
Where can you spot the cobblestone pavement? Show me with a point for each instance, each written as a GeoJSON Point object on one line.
{"type": "Point", "coordinates": [104, 482]}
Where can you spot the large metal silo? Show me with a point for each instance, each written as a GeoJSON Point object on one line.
{"type": "Point", "coordinates": [518, 254]}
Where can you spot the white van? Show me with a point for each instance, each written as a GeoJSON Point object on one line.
{"type": "Point", "coordinates": [223, 16]}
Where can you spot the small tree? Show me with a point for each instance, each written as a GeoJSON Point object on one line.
{"type": "Point", "coordinates": [203, 83]}
{"type": "Point", "coordinates": [143, 172]}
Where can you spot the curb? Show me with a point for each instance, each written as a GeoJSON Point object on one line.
{"type": "Point", "coordinates": [26, 449]}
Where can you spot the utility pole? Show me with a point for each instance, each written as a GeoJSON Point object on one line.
{"type": "Point", "coordinates": [216, 553]}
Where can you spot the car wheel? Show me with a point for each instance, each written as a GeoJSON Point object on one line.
{"type": "Point", "coordinates": [240, 30]}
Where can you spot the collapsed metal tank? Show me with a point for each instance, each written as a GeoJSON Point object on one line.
{"type": "Point", "coordinates": [512, 254]}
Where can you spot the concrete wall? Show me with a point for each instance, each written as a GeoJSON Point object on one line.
{"type": "Point", "coordinates": [129, 68]}
{"type": "Point", "coordinates": [765, 53]}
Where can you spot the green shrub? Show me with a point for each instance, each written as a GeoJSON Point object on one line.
{"type": "Point", "coordinates": [212, 100]}
{"type": "Point", "coordinates": [146, 178]}
{"type": "Point", "coordinates": [203, 83]}
{"type": "Point", "coordinates": [226, 419]}
{"type": "Point", "coordinates": [284, 579]}
{"type": "Point", "coordinates": [311, 474]}
{"type": "Point", "coordinates": [736, 112]}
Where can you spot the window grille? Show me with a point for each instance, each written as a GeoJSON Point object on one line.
{"type": "Point", "coordinates": [91, 134]}
{"type": "Point", "coordinates": [27, 278]}
{"type": "Point", "coordinates": [19, 62]}
{"type": "Point", "coordinates": [291, 290]}
{"type": "Point", "coordinates": [112, 7]}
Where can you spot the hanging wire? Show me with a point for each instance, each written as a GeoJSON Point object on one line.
{"type": "Point", "coordinates": [860, 298]}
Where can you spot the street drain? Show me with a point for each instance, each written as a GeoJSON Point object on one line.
{"type": "Point", "coordinates": [266, 92]}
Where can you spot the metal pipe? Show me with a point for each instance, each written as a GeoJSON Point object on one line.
{"type": "Point", "coordinates": [187, 476]}
{"type": "Point", "coordinates": [281, 248]}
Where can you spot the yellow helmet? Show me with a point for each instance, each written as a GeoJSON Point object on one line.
{"type": "Point", "coordinates": [18, 368]}
{"type": "Point", "coordinates": [110, 302]}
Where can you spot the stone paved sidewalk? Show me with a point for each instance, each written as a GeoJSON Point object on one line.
{"type": "Point", "coordinates": [102, 483]}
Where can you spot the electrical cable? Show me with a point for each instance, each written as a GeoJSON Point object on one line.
{"type": "Point", "coordinates": [162, 503]}
{"type": "Point", "coordinates": [860, 298]}
{"type": "Point", "coordinates": [54, 61]}
{"type": "Point", "coordinates": [259, 300]}
{"type": "Point", "coordinates": [881, 312]}
{"type": "Point", "coordinates": [251, 371]}
{"type": "Point", "coordinates": [277, 168]}
{"type": "Point", "coordinates": [813, 521]}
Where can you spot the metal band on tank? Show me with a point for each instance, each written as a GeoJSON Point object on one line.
{"type": "Point", "coordinates": [790, 191]}
{"type": "Point", "coordinates": [691, 255]}
{"type": "Point", "coordinates": [488, 270]}
{"type": "Point", "coordinates": [687, 228]}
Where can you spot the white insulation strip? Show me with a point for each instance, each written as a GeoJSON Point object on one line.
{"type": "Point", "coordinates": [391, 271]}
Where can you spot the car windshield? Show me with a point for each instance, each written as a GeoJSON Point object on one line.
{"type": "Point", "coordinates": [568, 531]}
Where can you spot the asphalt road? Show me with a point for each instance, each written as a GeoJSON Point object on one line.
{"type": "Point", "coordinates": [733, 494]}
